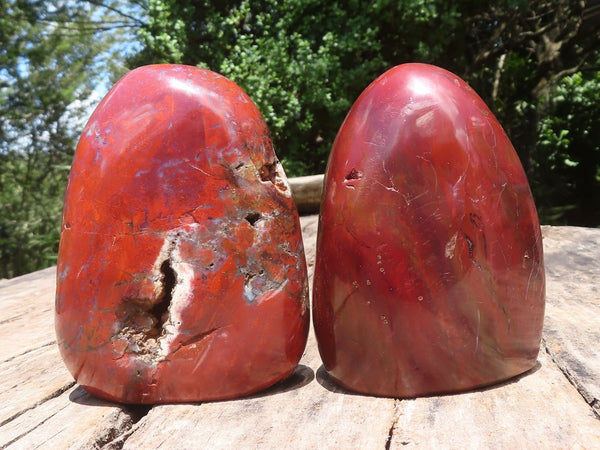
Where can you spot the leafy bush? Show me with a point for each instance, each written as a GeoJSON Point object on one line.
{"type": "Point", "coordinates": [567, 175]}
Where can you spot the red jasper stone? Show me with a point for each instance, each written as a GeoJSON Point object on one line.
{"type": "Point", "coordinates": [429, 275]}
{"type": "Point", "coordinates": [181, 271]}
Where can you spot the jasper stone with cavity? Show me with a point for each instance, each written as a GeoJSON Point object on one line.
{"type": "Point", "coordinates": [181, 271]}
{"type": "Point", "coordinates": [429, 275]}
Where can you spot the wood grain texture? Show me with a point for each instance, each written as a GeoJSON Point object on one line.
{"type": "Point", "coordinates": [73, 419]}
{"type": "Point", "coordinates": [538, 410]}
{"type": "Point", "coordinates": [26, 313]}
{"type": "Point", "coordinates": [553, 406]}
{"type": "Point", "coordinates": [30, 379]}
{"type": "Point", "coordinates": [572, 321]}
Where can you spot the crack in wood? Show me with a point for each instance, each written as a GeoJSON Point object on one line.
{"type": "Point", "coordinates": [12, 319]}
{"type": "Point", "coordinates": [28, 351]}
{"type": "Point", "coordinates": [48, 397]}
{"type": "Point", "coordinates": [25, 433]}
{"type": "Point", "coordinates": [588, 397]}
{"type": "Point", "coordinates": [393, 426]}
{"type": "Point", "coordinates": [120, 428]}
{"type": "Point", "coordinates": [112, 435]}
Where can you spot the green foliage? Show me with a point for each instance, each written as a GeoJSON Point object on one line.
{"type": "Point", "coordinates": [44, 72]}
{"type": "Point", "coordinates": [567, 181]}
{"type": "Point", "coordinates": [30, 223]}
{"type": "Point", "coordinates": [302, 80]}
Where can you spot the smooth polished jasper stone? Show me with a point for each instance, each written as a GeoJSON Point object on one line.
{"type": "Point", "coordinates": [429, 275]}
{"type": "Point", "coordinates": [181, 272]}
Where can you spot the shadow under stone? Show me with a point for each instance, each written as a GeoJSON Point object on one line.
{"type": "Point", "coordinates": [329, 383]}
{"type": "Point", "coordinates": [300, 377]}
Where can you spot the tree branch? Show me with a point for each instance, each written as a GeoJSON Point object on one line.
{"type": "Point", "coordinates": [119, 12]}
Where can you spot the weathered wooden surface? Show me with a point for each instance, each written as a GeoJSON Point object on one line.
{"type": "Point", "coordinates": [572, 322]}
{"type": "Point", "coordinates": [555, 405]}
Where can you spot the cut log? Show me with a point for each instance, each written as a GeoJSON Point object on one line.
{"type": "Point", "coordinates": [307, 193]}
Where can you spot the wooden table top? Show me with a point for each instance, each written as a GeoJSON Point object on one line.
{"type": "Point", "coordinates": [555, 405]}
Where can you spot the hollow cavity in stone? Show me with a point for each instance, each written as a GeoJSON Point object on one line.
{"type": "Point", "coordinates": [272, 172]}
{"type": "Point", "coordinates": [143, 321]}
{"type": "Point", "coordinates": [160, 311]}
{"type": "Point", "coordinates": [253, 217]}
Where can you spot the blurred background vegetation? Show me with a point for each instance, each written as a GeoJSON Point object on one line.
{"type": "Point", "coordinates": [304, 62]}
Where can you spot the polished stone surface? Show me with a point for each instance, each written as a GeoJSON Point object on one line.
{"type": "Point", "coordinates": [181, 272]}
{"type": "Point", "coordinates": [429, 275]}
